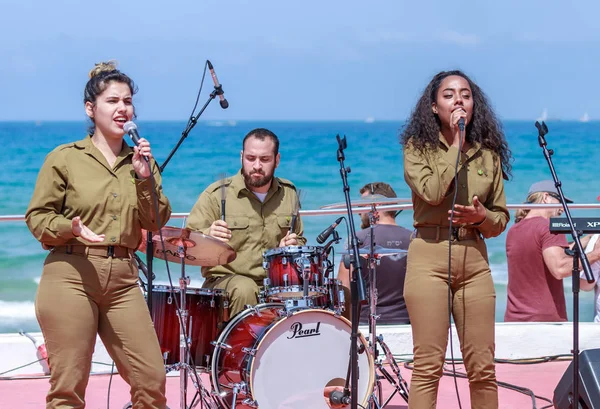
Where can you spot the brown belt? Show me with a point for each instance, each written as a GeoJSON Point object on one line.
{"type": "Point", "coordinates": [440, 233]}
{"type": "Point", "coordinates": [102, 251]}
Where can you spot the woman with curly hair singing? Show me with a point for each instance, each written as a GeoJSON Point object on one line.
{"type": "Point", "coordinates": [455, 160]}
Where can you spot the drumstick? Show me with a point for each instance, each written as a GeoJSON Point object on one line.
{"type": "Point", "coordinates": [296, 209]}
{"type": "Point", "coordinates": [223, 188]}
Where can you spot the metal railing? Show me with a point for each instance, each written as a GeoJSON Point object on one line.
{"type": "Point", "coordinates": [362, 209]}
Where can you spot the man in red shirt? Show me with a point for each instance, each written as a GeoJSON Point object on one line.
{"type": "Point", "coordinates": [537, 262]}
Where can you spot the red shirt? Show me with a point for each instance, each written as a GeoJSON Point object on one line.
{"type": "Point", "coordinates": [533, 292]}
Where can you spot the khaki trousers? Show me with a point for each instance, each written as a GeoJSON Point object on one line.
{"type": "Point", "coordinates": [242, 290]}
{"type": "Point", "coordinates": [80, 296]}
{"type": "Point", "coordinates": [474, 302]}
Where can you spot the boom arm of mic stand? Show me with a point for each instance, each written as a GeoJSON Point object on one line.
{"type": "Point", "coordinates": [542, 131]}
{"type": "Point", "coordinates": [187, 130]}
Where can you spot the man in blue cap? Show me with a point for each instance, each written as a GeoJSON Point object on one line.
{"type": "Point", "coordinates": [537, 262]}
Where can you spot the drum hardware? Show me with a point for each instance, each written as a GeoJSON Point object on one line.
{"type": "Point", "coordinates": [375, 253]}
{"type": "Point", "coordinates": [188, 247]}
{"type": "Point", "coordinates": [237, 388]}
{"type": "Point", "coordinates": [304, 265]}
{"type": "Point", "coordinates": [250, 402]}
{"type": "Point", "coordinates": [220, 345]}
{"type": "Point", "coordinates": [185, 341]}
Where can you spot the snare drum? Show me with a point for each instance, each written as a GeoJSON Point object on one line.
{"type": "Point", "coordinates": [288, 267]}
{"type": "Point", "coordinates": [207, 310]}
{"type": "Point", "coordinates": [278, 359]}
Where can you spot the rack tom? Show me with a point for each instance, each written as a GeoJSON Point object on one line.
{"type": "Point", "coordinates": [289, 269]}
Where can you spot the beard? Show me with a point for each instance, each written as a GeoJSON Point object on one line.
{"type": "Point", "coordinates": [260, 182]}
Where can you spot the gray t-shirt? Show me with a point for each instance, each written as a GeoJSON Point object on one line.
{"type": "Point", "coordinates": [390, 273]}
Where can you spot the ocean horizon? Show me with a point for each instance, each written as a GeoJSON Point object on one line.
{"type": "Point", "coordinates": [308, 158]}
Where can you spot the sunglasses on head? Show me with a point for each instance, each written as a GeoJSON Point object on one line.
{"type": "Point", "coordinates": [554, 195]}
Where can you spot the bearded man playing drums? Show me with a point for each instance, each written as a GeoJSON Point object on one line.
{"type": "Point", "coordinates": [253, 211]}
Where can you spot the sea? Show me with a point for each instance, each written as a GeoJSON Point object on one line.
{"type": "Point", "coordinates": [308, 158]}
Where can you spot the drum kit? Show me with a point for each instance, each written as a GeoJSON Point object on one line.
{"type": "Point", "coordinates": [285, 352]}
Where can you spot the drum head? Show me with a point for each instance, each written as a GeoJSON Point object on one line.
{"type": "Point", "coordinates": [302, 354]}
{"type": "Point", "coordinates": [229, 359]}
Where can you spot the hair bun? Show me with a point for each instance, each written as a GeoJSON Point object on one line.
{"type": "Point", "coordinates": [100, 67]}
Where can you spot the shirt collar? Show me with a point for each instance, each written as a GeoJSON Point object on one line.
{"type": "Point", "coordinates": [88, 147]}
{"type": "Point", "coordinates": [475, 146]}
{"type": "Point", "coordinates": [239, 185]}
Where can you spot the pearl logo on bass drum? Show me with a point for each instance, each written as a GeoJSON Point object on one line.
{"type": "Point", "coordinates": [298, 331]}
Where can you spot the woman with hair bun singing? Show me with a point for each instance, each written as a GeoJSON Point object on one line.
{"type": "Point", "coordinates": [91, 200]}
{"type": "Point", "coordinates": [458, 181]}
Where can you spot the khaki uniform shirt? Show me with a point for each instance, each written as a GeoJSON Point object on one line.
{"type": "Point", "coordinates": [76, 180]}
{"type": "Point", "coordinates": [431, 177]}
{"type": "Point", "coordinates": [255, 226]}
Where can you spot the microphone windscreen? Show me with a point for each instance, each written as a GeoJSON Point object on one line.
{"type": "Point", "coordinates": [129, 126]}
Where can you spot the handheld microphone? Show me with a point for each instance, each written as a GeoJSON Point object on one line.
{"type": "Point", "coordinates": [461, 124]}
{"type": "Point", "coordinates": [327, 232]}
{"type": "Point", "coordinates": [339, 398]}
{"type": "Point", "coordinates": [131, 129]}
{"type": "Point", "coordinates": [223, 102]}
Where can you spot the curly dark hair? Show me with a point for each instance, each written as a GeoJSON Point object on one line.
{"type": "Point", "coordinates": [423, 127]}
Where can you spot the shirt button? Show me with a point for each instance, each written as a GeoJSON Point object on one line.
{"type": "Point", "coordinates": [114, 195]}
{"type": "Point", "coordinates": [113, 239]}
{"type": "Point", "coordinates": [114, 217]}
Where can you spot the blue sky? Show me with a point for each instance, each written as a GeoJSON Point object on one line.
{"type": "Point", "coordinates": [313, 60]}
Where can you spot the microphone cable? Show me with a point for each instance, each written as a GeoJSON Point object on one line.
{"type": "Point", "coordinates": [450, 300]}
{"type": "Point", "coordinates": [192, 120]}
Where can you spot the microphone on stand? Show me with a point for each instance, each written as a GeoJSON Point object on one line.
{"type": "Point", "coordinates": [339, 398]}
{"type": "Point", "coordinates": [223, 102]}
{"type": "Point", "coordinates": [327, 232]}
{"type": "Point", "coordinates": [131, 129]}
{"type": "Point", "coordinates": [461, 124]}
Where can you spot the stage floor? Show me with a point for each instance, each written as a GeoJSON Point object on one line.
{"type": "Point", "coordinates": [541, 378]}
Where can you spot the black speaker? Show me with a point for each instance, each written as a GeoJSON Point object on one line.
{"type": "Point", "coordinates": [589, 383]}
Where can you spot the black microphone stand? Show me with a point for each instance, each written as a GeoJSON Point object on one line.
{"type": "Point", "coordinates": [578, 254]}
{"type": "Point", "coordinates": [190, 125]}
{"type": "Point", "coordinates": [357, 286]}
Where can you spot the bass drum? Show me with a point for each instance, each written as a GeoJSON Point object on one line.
{"type": "Point", "coordinates": [274, 360]}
